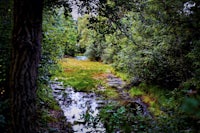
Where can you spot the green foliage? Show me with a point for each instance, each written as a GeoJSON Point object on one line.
{"type": "Point", "coordinates": [191, 106]}
{"type": "Point", "coordinates": [153, 46]}
{"type": "Point", "coordinates": [156, 47]}
{"type": "Point", "coordinates": [55, 35]}
{"type": "Point", "coordinates": [123, 119]}
{"type": "Point", "coordinates": [60, 34]}
{"type": "Point", "coordinates": [91, 37]}
{"type": "Point", "coordinates": [46, 98]}
{"type": "Point", "coordinates": [59, 39]}
{"type": "Point", "coordinates": [173, 112]}
{"type": "Point", "coordinates": [112, 48]}
{"type": "Point", "coordinates": [135, 92]}
{"type": "Point", "coordinates": [71, 47]}
{"type": "Point", "coordinates": [54, 32]}
{"type": "Point", "coordinates": [164, 98]}
{"type": "Point", "coordinates": [155, 41]}
{"type": "Point", "coordinates": [85, 35]}
{"type": "Point", "coordinates": [94, 51]}
{"type": "Point", "coordinates": [45, 103]}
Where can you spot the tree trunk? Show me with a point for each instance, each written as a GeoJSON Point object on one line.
{"type": "Point", "coordinates": [26, 49]}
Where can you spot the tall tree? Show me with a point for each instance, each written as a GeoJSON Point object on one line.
{"type": "Point", "coordinates": [26, 49]}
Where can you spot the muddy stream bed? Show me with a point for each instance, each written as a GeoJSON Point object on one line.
{"type": "Point", "coordinates": [76, 105]}
{"type": "Point", "coordinates": [79, 106]}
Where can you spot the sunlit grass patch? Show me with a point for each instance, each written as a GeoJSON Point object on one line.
{"type": "Point", "coordinates": [82, 75]}
{"type": "Point", "coordinates": [85, 64]}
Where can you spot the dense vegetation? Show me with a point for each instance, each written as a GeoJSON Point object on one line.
{"type": "Point", "coordinates": [150, 41]}
{"type": "Point", "coordinates": [155, 43]}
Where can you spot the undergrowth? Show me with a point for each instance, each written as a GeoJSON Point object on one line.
{"type": "Point", "coordinates": [46, 103]}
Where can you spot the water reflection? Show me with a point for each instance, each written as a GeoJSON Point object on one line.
{"type": "Point", "coordinates": [81, 58]}
{"type": "Point", "coordinates": [76, 105]}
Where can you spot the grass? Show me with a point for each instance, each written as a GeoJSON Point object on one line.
{"type": "Point", "coordinates": [134, 91]}
{"type": "Point", "coordinates": [109, 93]}
{"type": "Point", "coordinates": [155, 97]}
{"type": "Point", "coordinates": [83, 75]}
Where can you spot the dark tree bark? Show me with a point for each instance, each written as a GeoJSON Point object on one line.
{"type": "Point", "coordinates": [26, 49]}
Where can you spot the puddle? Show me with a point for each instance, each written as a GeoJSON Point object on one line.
{"type": "Point", "coordinates": [81, 58]}
{"type": "Point", "coordinates": [76, 105]}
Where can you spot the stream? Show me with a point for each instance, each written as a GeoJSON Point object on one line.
{"type": "Point", "coordinates": [81, 109]}
{"type": "Point", "coordinates": [76, 105]}
{"type": "Point", "coordinates": [81, 58]}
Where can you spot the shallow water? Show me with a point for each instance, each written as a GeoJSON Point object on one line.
{"type": "Point", "coordinates": [76, 105]}
{"type": "Point", "coordinates": [81, 58]}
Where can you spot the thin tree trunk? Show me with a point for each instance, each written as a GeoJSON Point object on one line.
{"type": "Point", "coordinates": [26, 49]}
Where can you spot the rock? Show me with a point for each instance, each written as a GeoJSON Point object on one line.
{"type": "Point", "coordinates": [115, 82]}
{"type": "Point", "coordinates": [56, 91]}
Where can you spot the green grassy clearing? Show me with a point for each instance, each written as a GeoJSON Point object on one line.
{"type": "Point", "coordinates": [83, 75]}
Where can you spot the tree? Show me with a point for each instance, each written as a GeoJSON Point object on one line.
{"type": "Point", "coordinates": [161, 39]}
{"type": "Point", "coordinates": [26, 49]}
